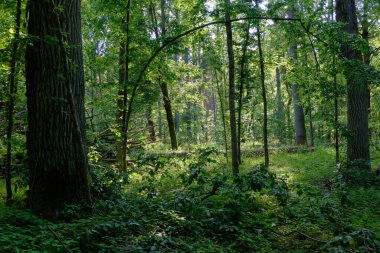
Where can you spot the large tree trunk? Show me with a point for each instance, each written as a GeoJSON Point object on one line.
{"type": "Point", "coordinates": [231, 98]}
{"type": "Point", "coordinates": [357, 87]}
{"type": "Point", "coordinates": [55, 98]}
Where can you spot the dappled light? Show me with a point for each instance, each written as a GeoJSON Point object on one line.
{"type": "Point", "coordinates": [190, 126]}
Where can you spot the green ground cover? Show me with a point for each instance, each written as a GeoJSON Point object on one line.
{"type": "Point", "coordinates": [189, 205]}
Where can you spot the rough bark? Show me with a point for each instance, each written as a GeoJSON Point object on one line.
{"type": "Point", "coordinates": [55, 98]}
{"type": "Point", "coordinates": [231, 93]}
{"type": "Point", "coordinates": [357, 87]}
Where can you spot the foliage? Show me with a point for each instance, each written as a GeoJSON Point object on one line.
{"type": "Point", "coordinates": [188, 204]}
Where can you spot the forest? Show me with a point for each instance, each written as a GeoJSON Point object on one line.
{"type": "Point", "coordinates": [190, 126]}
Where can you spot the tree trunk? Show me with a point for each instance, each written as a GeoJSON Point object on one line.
{"type": "Point", "coordinates": [11, 103]}
{"type": "Point", "coordinates": [119, 112]}
{"type": "Point", "coordinates": [222, 111]}
{"type": "Point", "coordinates": [264, 94]}
{"type": "Point", "coordinates": [310, 108]}
{"type": "Point", "coordinates": [124, 128]}
{"type": "Point", "coordinates": [169, 115]}
{"type": "Point", "coordinates": [159, 120]}
{"type": "Point", "coordinates": [150, 125]}
{"type": "Point", "coordinates": [214, 108]}
{"type": "Point", "coordinates": [280, 116]}
{"type": "Point", "coordinates": [165, 90]}
{"type": "Point", "coordinates": [231, 97]}
{"type": "Point", "coordinates": [357, 87]}
{"type": "Point", "coordinates": [188, 124]}
{"type": "Point", "coordinates": [243, 75]}
{"type": "Point", "coordinates": [367, 56]}
{"type": "Point", "coordinates": [289, 130]}
{"type": "Point", "coordinates": [55, 98]}
{"type": "Point", "coordinates": [336, 96]}
{"type": "Point", "coordinates": [299, 116]}
{"type": "Point", "coordinates": [336, 115]}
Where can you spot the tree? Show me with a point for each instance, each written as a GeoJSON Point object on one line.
{"type": "Point", "coordinates": [163, 84]}
{"type": "Point", "coordinates": [299, 116]}
{"type": "Point", "coordinates": [231, 91]}
{"type": "Point", "coordinates": [357, 86]}
{"type": "Point", "coordinates": [264, 93]}
{"type": "Point", "coordinates": [55, 99]}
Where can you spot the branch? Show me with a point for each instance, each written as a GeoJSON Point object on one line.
{"type": "Point", "coordinates": [299, 232]}
{"type": "Point", "coordinates": [59, 239]}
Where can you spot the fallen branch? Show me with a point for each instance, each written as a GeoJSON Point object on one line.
{"type": "Point", "coordinates": [298, 232]}
{"type": "Point", "coordinates": [59, 239]}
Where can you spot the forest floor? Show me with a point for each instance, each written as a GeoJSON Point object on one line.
{"type": "Point", "coordinates": [190, 205]}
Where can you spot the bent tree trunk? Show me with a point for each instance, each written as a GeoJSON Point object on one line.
{"type": "Point", "coordinates": [357, 87]}
{"type": "Point", "coordinates": [55, 98]}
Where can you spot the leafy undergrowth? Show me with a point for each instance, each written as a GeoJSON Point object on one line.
{"type": "Point", "coordinates": [190, 205]}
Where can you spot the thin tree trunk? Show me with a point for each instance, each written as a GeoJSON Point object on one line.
{"type": "Point", "coordinates": [163, 84]}
{"type": "Point", "coordinates": [160, 133]}
{"type": "Point", "coordinates": [214, 107]}
{"type": "Point", "coordinates": [125, 87]}
{"type": "Point", "coordinates": [280, 119]}
{"type": "Point", "coordinates": [243, 74]}
{"type": "Point", "coordinates": [231, 72]}
{"type": "Point", "coordinates": [188, 124]}
{"type": "Point", "coordinates": [222, 110]}
{"type": "Point", "coordinates": [119, 112]}
{"type": "Point", "coordinates": [150, 125]}
{"type": "Point", "coordinates": [336, 115]}
{"type": "Point", "coordinates": [264, 94]}
{"type": "Point", "coordinates": [310, 109]}
{"type": "Point", "coordinates": [169, 115]}
{"type": "Point", "coordinates": [11, 103]}
{"type": "Point", "coordinates": [336, 96]}
{"type": "Point", "coordinates": [289, 130]}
